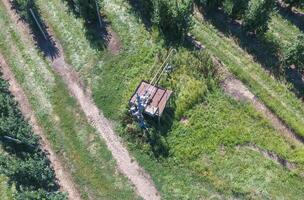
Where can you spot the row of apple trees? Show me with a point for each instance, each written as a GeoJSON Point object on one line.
{"type": "Point", "coordinates": [21, 159]}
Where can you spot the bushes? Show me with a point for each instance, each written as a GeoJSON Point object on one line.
{"type": "Point", "coordinates": [295, 54]}
{"type": "Point", "coordinates": [258, 15]}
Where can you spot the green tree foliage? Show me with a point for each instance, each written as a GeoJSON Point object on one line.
{"type": "Point", "coordinates": [235, 8]}
{"type": "Point", "coordinates": [258, 15]}
{"type": "Point", "coordinates": [25, 165]}
{"type": "Point", "coordinates": [295, 54]}
{"type": "Point", "coordinates": [173, 17]}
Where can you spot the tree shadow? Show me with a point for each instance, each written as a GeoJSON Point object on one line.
{"type": "Point", "coordinates": [96, 33]}
{"type": "Point", "coordinates": [295, 18]}
{"type": "Point", "coordinates": [157, 137]}
{"type": "Point", "coordinates": [43, 40]}
{"type": "Point", "coordinates": [16, 148]}
{"type": "Point", "coordinates": [266, 52]}
{"type": "Point", "coordinates": [141, 12]}
{"type": "Point", "coordinates": [297, 79]}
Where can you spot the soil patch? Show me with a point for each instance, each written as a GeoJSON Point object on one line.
{"type": "Point", "coordinates": [114, 43]}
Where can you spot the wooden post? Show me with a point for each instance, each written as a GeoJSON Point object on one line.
{"type": "Point", "coordinates": [34, 16]}
{"type": "Point", "coordinates": [98, 13]}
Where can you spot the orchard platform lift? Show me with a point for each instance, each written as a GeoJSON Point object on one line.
{"type": "Point", "coordinates": [148, 97]}
{"type": "Point", "coordinates": [157, 98]}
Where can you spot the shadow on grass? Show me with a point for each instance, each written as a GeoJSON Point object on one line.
{"type": "Point", "coordinates": [295, 18]}
{"type": "Point", "coordinates": [144, 15]}
{"type": "Point", "coordinates": [96, 33]}
{"type": "Point", "coordinates": [157, 137]}
{"type": "Point", "coordinates": [43, 40]}
{"type": "Point", "coordinates": [266, 52]}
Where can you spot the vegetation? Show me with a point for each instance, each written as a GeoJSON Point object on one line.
{"type": "Point", "coordinates": [255, 14]}
{"type": "Point", "coordinates": [236, 8]}
{"type": "Point", "coordinates": [268, 49]}
{"type": "Point", "coordinates": [275, 94]}
{"type": "Point", "coordinates": [6, 192]}
{"type": "Point", "coordinates": [22, 160]}
{"type": "Point", "coordinates": [258, 15]}
{"type": "Point", "coordinates": [295, 54]}
{"type": "Point", "coordinates": [78, 145]}
{"type": "Point", "coordinates": [204, 154]}
{"type": "Point", "coordinates": [202, 149]}
{"type": "Point", "coordinates": [172, 17]}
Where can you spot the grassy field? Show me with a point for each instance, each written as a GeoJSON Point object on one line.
{"type": "Point", "coordinates": [274, 93]}
{"type": "Point", "coordinates": [81, 149]}
{"type": "Point", "coordinates": [207, 155]}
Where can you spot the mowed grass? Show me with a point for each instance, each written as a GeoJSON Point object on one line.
{"type": "Point", "coordinates": [273, 92]}
{"type": "Point", "coordinates": [82, 151]}
{"type": "Point", "coordinates": [206, 156]}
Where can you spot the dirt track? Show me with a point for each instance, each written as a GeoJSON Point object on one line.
{"type": "Point", "coordinates": [62, 176]}
{"type": "Point", "coordinates": [126, 164]}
